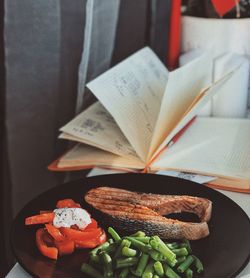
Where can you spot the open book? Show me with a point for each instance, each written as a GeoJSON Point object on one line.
{"type": "Point", "coordinates": [142, 110]}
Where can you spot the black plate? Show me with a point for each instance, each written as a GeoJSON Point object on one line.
{"type": "Point", "coordinates": [225, 252]}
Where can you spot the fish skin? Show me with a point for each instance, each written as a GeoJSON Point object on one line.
{"type": "Point", "coordinates": [144, 211]}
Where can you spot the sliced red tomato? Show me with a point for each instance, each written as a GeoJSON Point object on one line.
{"type": "Point", "coordinates": [67, 203]}
{"type": "Point", "coordinates": [92, 225]}
{"type": "Point", "coordinates": [50, 252]}
{"type": "Point", "coordinates": [54, 232]}
{"type": "Point", "coordinates": [74, 234]}
{"type": "Point", "coordinates": [91, 243]}
{"type": "Point", "coordinates": [86, 244]}
{"type": "Point", "coordinates": [45, 211]}
{"type": "Point", "coordinates": [74, 227]}
{"type": "Point", "coordinates": [48, 239]}
{"type": "Point", "coordinates": [65, 247]}
{"type": "Point", "coordinates": [102, 238]}
{"type": "Point", "coordinates": [52, 241]}
{"type": "Point", "coordinates": [40, 218]}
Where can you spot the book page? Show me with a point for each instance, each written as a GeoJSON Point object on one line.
{"type": "Point", "coordinates": [212, 146]}
{"type": "Point", "coordinates": [119, 148]}
{"type": "Point", "coordinates": [82, 156]}
{"type": "Point", "coordinates": [132, 92]}
{"type": "Point", "coordinates": [96, 127]}
{"type": "Point", "coordinates": [184, 84]}
{"type": "Point", "coordinates": [233, 184]}
{"type": "Point", "coordinates": [199, 102]}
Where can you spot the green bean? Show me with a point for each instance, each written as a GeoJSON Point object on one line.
{"type": "Point", "coordinates": [107, 261]}
{"type": "Point", "coordinates": [198, 264]}
{"type": "Point", "coordinates": [94, 258]}
{"type": "Point", "coordinates": [159, 268]}
{"type": "Point", "coordinates": [187, 245]}
{"type": "Point", "coordinates": [111, 248]}
{"type": "Point", "coordinates": [120, 263]}
{"type": "Point", "coordinates": [155, 255]}
{"type": "Point", "coordinates": [189, 273]}
{"type": "Point", "coordinates": [128, 252]}
{"type": "Point", "coordinates": [138, 244]}
{"type": "Point", "coordinates": [149, 270]}
{"type": "Point", "coordinates": [160, 246]}
{"type": "Point", "coordinates": [102, 247]}
{"type": "Point", "coordinates": [180, 260]}
{"type": "Point", "coordinates": [114, 234]}
{"type": "Point", "coordinates": [182, 244]}
{"type": "Point", "coordinates": [144, 239]}
{"type": "Point", "coordinates": [180, 252]}
{"type": "Point", "coordinates": [132, 271]}
{"type": "Point", "coordinates": [89, 270]}
{"type": "Point", "coordinates": [172, 245]}
{"type": "Point", "coordinates": [123, 243]}
{"type": "Point", "coordinates": [169, 272]}
{"type": "Point", "coordinates": [171, 263]}
{"type": "Point", "coordinates": [142, 264]}
{"type": "Point", "coordinates": [139, 255]}
{"type": "Point", "coordinates": [138, 234]}
{"type": "Point", "coordinates": [124, 273]}
{"type": "Point", "coordinates": [185, 265]}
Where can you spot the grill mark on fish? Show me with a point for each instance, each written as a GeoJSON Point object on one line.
{"type": "Point", "coordinates": [132, 210]}
{"type": "Point", "coordinates": [163, 204]}
{"type": "Point", "coordinates": [135, 210]}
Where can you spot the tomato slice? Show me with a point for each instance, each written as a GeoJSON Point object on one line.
{"type": "Point", "coordinates": [91, 243]}
{"type": "Point", "coordinates": [74, 234]}
{"type": "Point", "coordinates": [40, 218]}
{"type": "Point", "coordinates": [86, 244]}
{"type": "Point", "coordinates": [50, 252]}
{"type": "Point", "coordinates": [102, 238]}
{"type": "Point", "coordinates": [48, 239]}
{"type": "Point", "coordinates": [67, 203]}
{"type": "Point", "coordinates": [45, 211]}
{"type": "Point", "coordinates": [54, 232]}
{"type": "Point", "coordinates": [65, 247]}
{"type": "Point", "coordinates": [92, 225]}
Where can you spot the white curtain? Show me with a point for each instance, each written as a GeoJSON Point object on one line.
{"type": "Point", "coordinates": [99, 38]}
{"type": "Point", "coordinates": [43, 48]}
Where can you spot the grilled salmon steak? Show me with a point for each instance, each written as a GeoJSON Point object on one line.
{"type": "Point", "coordinates": [135, 211]}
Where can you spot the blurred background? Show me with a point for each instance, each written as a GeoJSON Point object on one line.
{"type": "Point", "coordinates": [50, 49]}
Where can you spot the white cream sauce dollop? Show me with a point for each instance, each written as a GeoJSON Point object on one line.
{"type": "Point", "coordinates": [66, 217]}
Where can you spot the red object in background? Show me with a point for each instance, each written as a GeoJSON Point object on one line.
{"type": "Point", "coordinates": [224, 6]}
{"type": "Point", "coordinates": [174, 35]}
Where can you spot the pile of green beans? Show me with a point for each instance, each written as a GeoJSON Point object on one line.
{"type": "Point", "coordinates": [139, 255]}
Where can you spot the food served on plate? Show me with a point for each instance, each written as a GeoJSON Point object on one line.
{"type": "Point", "coordinates": [66, 228]}
{"type": "Point", "coordinates": [139, 255]}
{"type": "Point", "coordinates": [133, 211]}
{"type": "Point", "coordinates": [69, 226]}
